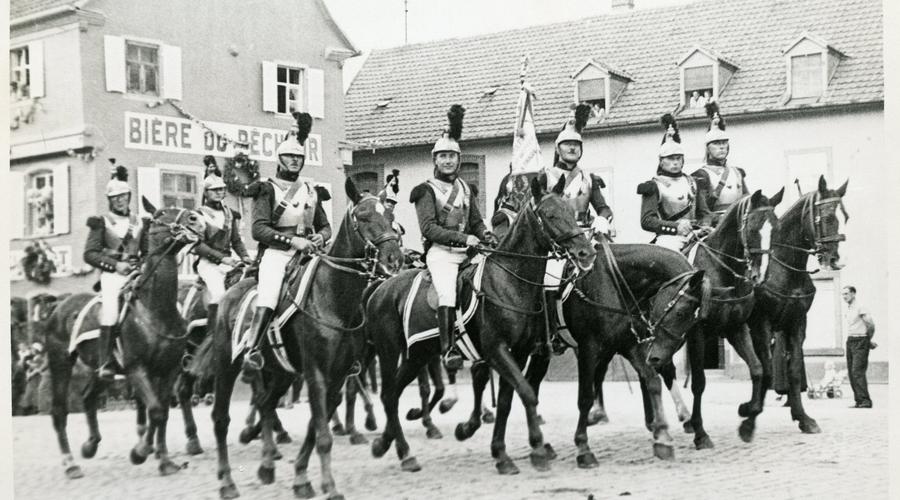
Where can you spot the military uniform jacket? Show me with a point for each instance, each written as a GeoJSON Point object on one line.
{"type": "Point", "coordinates": [447, 212]}
{"type": "Point", "coordinates": [665, 200]}
{"type": "Point", "coordinates": [708, 179]}
{"type": "Point", "coordinates": [582, 192]}
{"type": "Point", "coordinates": [221, 235]}
{"type": "Point", "coordinates": [114, 238]}
{"type": "Point", "coordinates": [303, 216]}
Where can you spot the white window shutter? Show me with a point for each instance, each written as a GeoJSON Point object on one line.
{"type": "Point", "coordinates": [148, 187]}
{"type": "Point", "coordinates": [114, 53]}
{"type": "Point", "coordinates": [269, 95]}
{"type": "Point", "coordinates": [171, 72]}
{"type": "Point", "coordinates": [17, 192]}
{"type": "Point", "coordinates": [61, 198]}
{"type": "Point", "coordinates": [315, 82]}
{"type": "Point", "coordinates": [36, 68]}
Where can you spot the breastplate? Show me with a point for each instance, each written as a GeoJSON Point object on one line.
{"type": "Point", "coordinates": [458, 216]}
{"type": "Point", "coordinates": [675, 194]}
{"type": "Point", "coordinates": [300, 210]}
{"type": "Point", "coordinates": [218, 226]}
{"type": "Point", "coordinates": [731, 191]}
{"type": "Point", "coordinates": [116, 227]}
{"type": "Point", "coordinates": [578, 187]}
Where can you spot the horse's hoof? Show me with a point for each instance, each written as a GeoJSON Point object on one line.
{"type": "Point", "coordinates": [551, 453]}
{"type": "Point", "coordinates": [248, 434]}
{"type": "Point", "coordinates": [335, 496]}
{"type": "Point", "coordinates": [136, 457]}
{"type": "Point", "coordinates": [339, 430]}
{"type": "Point", "coordinates": [74, 472]}
{"type": "Point", "coordinates": [195, 400]}
{"type": "Point", "coordinates": [228, 492]}
{"type": "Point", "coordinates": [540, 420]}
{"type": "Point", "coordinates": [487, 417]}
{"type": "Point", "coordinates": [809, 426]}
{"type": "Point", "coordinates": [357, 438]}
{"type": "Point", "coordinates": [414, 414]}
{"type": "Point", "coordinates": [410, 464]}
{"type": "Point", "coordinates": [746, 429]}
{"type": "Point", "coordinates": [587, 461]}
{"type": "Point", "coordinates": [209, 399]}
{"type": "Point", "coordinates": [141, 430]}
{"type": "Point", "coordinates": [167, 468]}
{"type": "Point", "coordinates": [447, 405]}
{"type": "Point", "coordinates": [378, 447]}
{"type": "Point", "coordinates": [744, 410]}
{"type": "Point", "coordinates": [433, 433]}
{"type": "Point", "coordinates": [276, 455]}
{"type": "Point", "coordinates": [596, 416]}
{"type": "Point", "coordinates": [539, 460]}
{"type": "Point", "coordinates": [507, 468]}
{"type": "Point", "coordinates": [371, 425]}
{"type": "Point", "coordinates": [283, 438]}
{"type": "Point", "coordinates": [89, 448]}
{"type": "Point", "coordinates": [688, 427]}
{"type": "Point", "coordinates": [663, 451]}
{"type": "Point", "coordinates": [193, 446]}
{"type": "Point", "coordinates": [304, 490]}
{"type": "Point", "coordinates": [265, 474]}
{"type": "Point", "coordinates": [703, 443]}
{"type": "Point", "coordinates": [464, 431]}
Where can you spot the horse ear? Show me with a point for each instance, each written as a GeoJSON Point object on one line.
{"type": "Point", "coordinates": [352, 193]}
{"type": "Point", "coordinates": [823, 186]}
{"type": "Point", "coordinates": [560, 185]}
{"type": "Point", "coordinates": [841, 191]}
{"type": "Point", "coordinates": [776, 199]}
{"type": "Point", "coordinates": [754, 198]}
{"type": "Point", "coordinates": [538, 186]}
{"type": "Point", "coordinates": [147, 205]}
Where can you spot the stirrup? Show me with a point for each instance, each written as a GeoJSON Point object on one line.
{"type": "Point", "coordinates": [106, 372]}
{"type": "Point", "coordinates": [452, 359]}
{"type": "Point", "coordinates": [557, 345]}
{"type": "Point", "coordinates": [252, 364]}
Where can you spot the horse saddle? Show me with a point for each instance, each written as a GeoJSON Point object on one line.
{"type": "Point", "coordinates": [81, 334]}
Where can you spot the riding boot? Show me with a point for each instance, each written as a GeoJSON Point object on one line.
{"type": "Point", "coordinates": [105, 369]}
{"type": "Point", "coordinates": [253, 360]}
{"type": "Point", "coordinates": [446, 326]}
{"type": "Point", "coordinates": [211, 311]}
{"type": "Point", "coordinates": [551, 337]}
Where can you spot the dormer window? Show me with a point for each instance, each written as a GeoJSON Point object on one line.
{"type": "Point", "coordinates": [703, 76]}
{"type": "Point", "coordinates": [806, 75]}
{"type": "Point", "coordinates": [599, 85]}
{"type": "Point", "coordinates": [592, 91]}
{"type": "Point", "coordinates": [811, 62]}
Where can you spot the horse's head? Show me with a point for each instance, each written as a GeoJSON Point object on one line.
{"type": "Point", "coordinates": [517, 195]}
{"type": "Point", "coordinates": [372, 229]}
{"type": "Point", "coordinates": [172, 227]}
{"type": "Point", "coordinates": [674, 310]}
{"type": "Point", "coordinates": [557, 221]}
{"type": "Point", "coordinates": [823, 226]}
{"type": "Point", "coordinates": [757, 218]}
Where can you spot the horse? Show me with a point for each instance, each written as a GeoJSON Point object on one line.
{"type": "Point", "coordinates": [731, 255]}
{"type": "Point", "coordinates": [809, 227]}
{"type": "Point", "coordinates": [152, 338]}
{"type": "Point", "coordinates": [322, 339]}
{"type": "Point", "coordinates": [510, 293]}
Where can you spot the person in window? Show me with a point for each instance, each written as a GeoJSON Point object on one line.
{"type": "Point", "coordinates": [718, 184]}
{"type": "Point", "coordinates": [695, 96]}
{"type": "Point", "coordinates": [450, 222]}
{"type": "Point", "coordinates": [287, 218]}
{"type": "Point", "coordinates": [114, 245]}
{"type": "Point", "coordinates": [222, 235]}
{"type": "Point", "coordinates": [670, 206]}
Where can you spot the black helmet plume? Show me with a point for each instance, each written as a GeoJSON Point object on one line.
{"type": "Point", "coordinates": [582, 115]}
{"type": "Point", "coordinates": [668, 120]}
{"type": "Point", "coordinates": [712, 109]}
{"type": "Point", "coordinates": [304, 125]}
{"type": "Point", "coordinates": [455, 120]}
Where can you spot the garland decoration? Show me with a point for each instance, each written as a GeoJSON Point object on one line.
{"type": "Point", "coordinates": [240, 173]}
{"type": "Point", "coordinates": [36, 264]}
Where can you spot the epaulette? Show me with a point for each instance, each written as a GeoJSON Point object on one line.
{"type": "Point", "coordinates": [648, 187]}
{"type": "Point", "coordinates": [252, 190]}
{"type": "Point", "coordinates": [701, 176]}
{"type": "Point", "coordinates": [322, 193]}
{"type": "Point", "coordinates": [95, 222]}
{"type": "Point", "coordinates": [741, 170]}
{"type": "Point", "coordinates": [596, 179]}
{"type": "Point", "coordinates": [418, 192]}
{"type": "Point", "coordinates": [235, 213]}
{"type": "Point", "coordinates": [473, 189]}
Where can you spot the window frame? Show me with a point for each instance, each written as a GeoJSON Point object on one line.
{"type": "Point", "coordinates": [351, 171]}
{"type": "Point", "coordinates": [142, 91]}
{"type": "Point", "coordinates": [604, 83]}
{"type": "Point", "coordinates": [301, 85]}
{"type": "Point", "coordinates": [30, 179]}
{"type": "Point", "coordinates": [477, 160]}
{"type": "Point", "coordinates": [822, 68]}
{"type": "Point", "coordinates": [196, 197]}
{"type": "Point", "coordinates": [24, 69]}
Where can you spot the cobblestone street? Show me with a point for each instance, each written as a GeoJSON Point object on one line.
{"type": "Point", "coordinates": [780, 463]}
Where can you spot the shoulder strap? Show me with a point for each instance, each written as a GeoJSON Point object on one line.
{"type": "Point", "coordinates": [721, 185]}
{"type": "Point", "coordinates": [288, 196]}
{"type": "Point", "coordinates": [451, 200]}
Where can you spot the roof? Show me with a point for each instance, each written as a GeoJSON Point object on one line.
{"type": "Point", "coordinates": [22, 8]}
{"type": "Point", "coordinates": [423, 80]}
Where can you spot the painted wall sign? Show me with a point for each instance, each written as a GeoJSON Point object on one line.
{"type": "Point", "coordinates": [179, 135]}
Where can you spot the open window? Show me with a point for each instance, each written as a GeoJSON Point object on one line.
{"type": "Point", "coordinates": [290, 86]}
{"type": "Point", "coordinates": [40, 201]}
{"type": "Point", "coordinates": [810, 62]}
{"type": "Point", "coordinates": [141, 67]}
{"type": "Point", "coordinates": [704, 74]}
{"type": "Point", "coordinates": [368, 178]}
{"type": "Point", "coordinates": [599, 85]}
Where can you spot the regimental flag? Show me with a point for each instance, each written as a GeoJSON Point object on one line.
{"type": "Point", "coordinates": [526, 156]}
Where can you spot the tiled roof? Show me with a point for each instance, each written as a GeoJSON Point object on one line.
{"type": "Point", "coordinates": [20, 8]}
{"type": "Point", "coordinates": [423, 80]}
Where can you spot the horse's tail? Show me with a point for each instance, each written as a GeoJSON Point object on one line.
{"type": "Point", "coordinates": [204, 363]}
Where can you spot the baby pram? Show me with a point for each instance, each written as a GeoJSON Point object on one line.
{"type": "Point", "coordinates": [830, 386]}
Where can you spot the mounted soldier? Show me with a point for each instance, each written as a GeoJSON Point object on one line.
{"type": "Point", "coordinates": [450, 222]}
{"type": "Point", "coordinates": [719, 185]}
{"type": "Point", "coordinates": [115, 245]}
{"type": "Point", "coordinates": [222, 235]}
{"type": "Point", "coordinates": [670, 204]}
{"type": "Point", "coordinates": [287, 218]}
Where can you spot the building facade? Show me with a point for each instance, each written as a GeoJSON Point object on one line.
{"type": "Point", "coordinates": [802, 95]}
{"type": "Point", "coordinates": [156, 87]}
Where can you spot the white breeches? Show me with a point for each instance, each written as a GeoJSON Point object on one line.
{"type": "Point", "coordinates": [443, 262]}
{"type": "Point", "coordinates": [110, 286]}
{"type": "Point", "coordinates": [672, 241]}
{"type": "Point", "coordinates": [214, 277]}
{"type": "Point", "coordinates": [272, 267]}
{"type": "Point", "coordinates": [554, 273]}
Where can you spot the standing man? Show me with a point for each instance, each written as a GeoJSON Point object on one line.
{"type": "Point", "coordinates": [287, 218]}
{"type": "Point", "coordinates": [860, 330]}
{"type": "Point", "coordinates": [114, 246]}
{"type": "Point", "coordinates": [719, 185]}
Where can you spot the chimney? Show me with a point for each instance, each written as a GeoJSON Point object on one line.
{"type": "Point", "coordinates": [622, 5]}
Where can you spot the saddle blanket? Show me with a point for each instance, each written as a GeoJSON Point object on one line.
{"type": "Point", "coordinates": [419, 310]}
{"type": "Point", "coordinates": [78, 335]}
{"type": "Point", "coordinates": [187, 306]}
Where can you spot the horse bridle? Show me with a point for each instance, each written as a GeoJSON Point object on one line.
{"type": "Point", "coordinates": [372, 251]}
{"type": "Point", "coordinates": [556, 244]}
{"type": "Point", "coordinates": [653, 326]}
{"type": "Point", "coordinates": [811, 211]}
{"type": "Point", "coordinates": [748, 252]}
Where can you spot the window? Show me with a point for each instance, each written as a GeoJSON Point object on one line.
{"type": "Point", "coordinates": [40, 201]}
{"type": "Point", "coordinates": [806, 75]}
{"type": "Point", "coordinates": [367, 177]}
{"type": "Point", "coordinates": [698, 86]}
{"type": "Point", "coordinates": [19, 74]}
{"type": "Point", "coordinates": [39, 218]}
{"type": "Point", "coordinates": [179, 190]}
{"type": "Point", "coordinates": [593, 92]}
{"type": "Point", "coordinates": [289, 89]}
{"type": "Point", "coordinates": [471, 170]}
{"type": "Point", "coordinates": [142, 68]}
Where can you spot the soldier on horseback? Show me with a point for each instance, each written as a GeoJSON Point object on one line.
{"type": "Point", "coordinates": [718, 184]}
{"type": "Point", "coordinates": [670, 205]}
{"type": "Point", "coordinates": [114, 245]}
{"type": "Point", "coordinates": [450, 222]}
{"type": "Point", "coordinates": [287, 217]}
{"type": "Point", "coordinates": [221, 237]}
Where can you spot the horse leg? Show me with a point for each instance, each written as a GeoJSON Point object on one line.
{"type": "Point", "coordinates": [350, 412]}
{"type": "Point", "coordinates": [761, 335]}
{"type": "Point", "coordinates": [60, 375]}
{"type": "Point", "coordinates": [424, 387]}
{"type": "Point", "coordinates": [684, 415]}
{"type": "Point", "coordinates": [796, 366]}
{"type": "Point", "coordinates": [302, 487]}
{"type": "Point", "coordinates": [224, 386]}
{"type": "Point", "coordinates": [185, 388]}
{"type": "Point", "coordinates": [538, 365]}
{"type": "Point", "coordinates": [598, 415]}
{"type": "Point", "coordinates": [651, 385]}
{"type": "Point", "coordinates": [140, 381]}
{"type": "Point", "coordinates": [436, 371]}
{"type": "Point", "coordinates": [141, 410]}
{"type": "Point", "coordinates": [480, 374]}
{"type": "Point", "coordinates": [740, 340]}
{"type": "Point", "coordinates": [392, 386]}
{"type": "Point", "coordinates": [252, 428]}
{"type": "Point", "coordinates": [267, 417]}
{"type": "Point", "coordinates": [504, 463]}
{"type": "Point", "coordinates": [160, 417]}
{"type": "Point", "coordinates": [695, 339]}
{"type": "Point", "coordinates": [319, 396]}
{"type": "Point", "coordinates": [431, 431]}
{"type": "Point", "coordinates": [89, 398]}
{"type": "Point", "coordinates": [587, 365]}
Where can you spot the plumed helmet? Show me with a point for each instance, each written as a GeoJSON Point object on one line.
{"type": "Point", "coordinates": [716, 129]}
{"type": "Point", "coordinates": [671, 141]}
{"type": "Point", "coordinates": [213, 181]}
{"type": "Point", "coordinates": [390, 196]}
{"type": "Point", "coordinates": [295, 143]}
{"type": "Point", "coordinates": [118, 183]}
{"type": "Point", "coordinates": [449, 140]}
{"type": "Point", "coordinates": [571, 130]}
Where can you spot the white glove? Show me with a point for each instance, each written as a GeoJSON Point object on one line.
{"type": "Point", "coordinates": [600, 225]}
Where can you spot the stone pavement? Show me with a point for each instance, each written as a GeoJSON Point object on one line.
{"type": "Point", "coordinates": [847, 460]}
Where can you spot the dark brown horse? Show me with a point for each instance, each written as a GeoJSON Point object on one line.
{"type": "Point", "coordinates": [511, 291]}
{"type": "Point", "coordinates": [152, 339]}
{"type": "Point", "coordinates": [322, 339]}
{"type": "Point", "coordinates": [732, 257]}
{"type": "Point", "coordinates": [809, 227]}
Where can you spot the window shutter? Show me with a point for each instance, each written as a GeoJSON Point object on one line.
{"type": "Point", "coordinates": [148, 187]}
{"type": "Point", "coordinates": [316, 88]}
{"type": "Point", "coordinates": [61, 198]}
{"type": "Point", "coordinates": [698, 78]}
{"type": "Point", "coordinates": [171, 72]}
{"type": "Point", "coordinates": [36, 68]}
{"type": "Point", "coordinates": [269, 95]}
{"type": "Point", "coordinates": [114, 52]}
{"type": "Point", "coordinates": [17, 225]}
